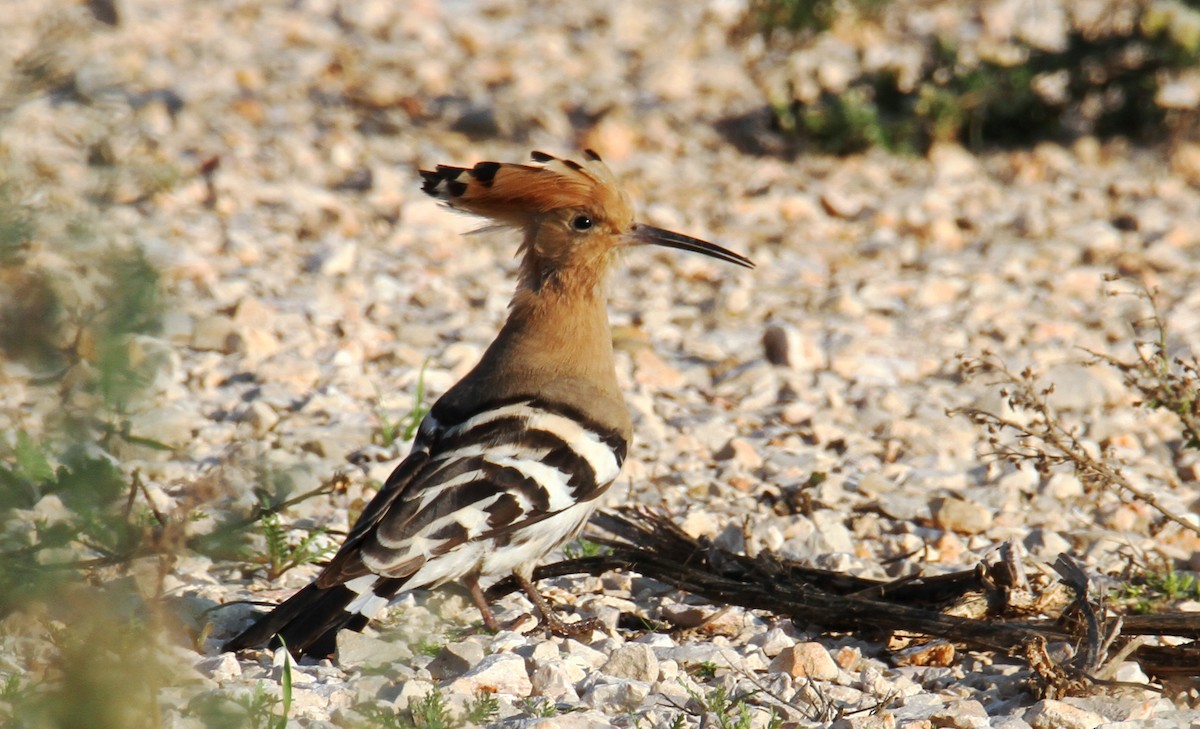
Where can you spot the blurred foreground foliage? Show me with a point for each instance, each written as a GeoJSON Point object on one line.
{"type": "Point", "coordinates": [97, 627]}
{"type": "Point", "coordinates": [1104, 82]}
{"type": "Point", "coordinates": [84, 629]}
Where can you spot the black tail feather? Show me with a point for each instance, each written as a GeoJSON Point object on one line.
{"type": "Point", "coordinates": [308, 622]}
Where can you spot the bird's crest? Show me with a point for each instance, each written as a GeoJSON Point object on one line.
{"type": "Point", "coordinates": [511, 193]}
{"type": "Point", "coordinates": [574, 217]}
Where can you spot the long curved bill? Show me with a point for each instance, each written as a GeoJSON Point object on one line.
{"type": "Point", "coordinates": [649, 235]}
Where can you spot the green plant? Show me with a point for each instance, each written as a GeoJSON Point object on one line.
{"type": "Point", "coordinates": [230, 538]}
{"type": "Point", "coordinates": [81, 542]}
{"type": "Point", "coordinates": [286, 684]}
{"type": "Point", "coordinates": [283, 553]}
{"type": "Point", "coordinates": [869, 114]}
{"type": "Point", "coordinates": [431, 712]}
{"type": "Point", "coordinates": [580, 548]}
{"type": "Point", "coordinates": [429, 647]}
{"type": "Point", "coordinates": [87, 520]}
{"type": "Point", "coordinates": [403, 428]}
{"type": "Point", "coordinates": [538, 706]}
{"type": "Point", "coordinates": [794, 16]}
{"type": "Point", "coordinates": [86, 544]}
{"type": "Point", "coordinates": [729, 712]}
{"type": "Point", "coordinates": [16, 226]}
{"type": "Point", "coordinates": [98, 663]}
{"type": "Point", "coordinates": [1155, 590]}
{"type": "Point", "coordinates": [16, 697]}
{"type": "Point", "coordinates": [254, 709]}
{"type": "Point", "coordinates": [1101, 84]}
{"type": "Point", "coordinates": [482, 709]}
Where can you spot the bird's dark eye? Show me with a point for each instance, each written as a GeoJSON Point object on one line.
{"type": "Point", "coordinates": [582, 222]}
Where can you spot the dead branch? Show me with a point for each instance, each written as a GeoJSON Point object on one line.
{"type": "Point", "coordinates": [652, 545]}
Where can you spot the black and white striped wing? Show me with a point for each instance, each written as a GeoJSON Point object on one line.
{"type": "Point", "coordinates": [510, 477]}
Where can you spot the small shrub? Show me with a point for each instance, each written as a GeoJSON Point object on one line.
{"type": "Point", "coordinates": [1099, 84]}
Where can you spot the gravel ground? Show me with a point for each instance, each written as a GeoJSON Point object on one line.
{"type": "Point", "coordinates": [310, 281]}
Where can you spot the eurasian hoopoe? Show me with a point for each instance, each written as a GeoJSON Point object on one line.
{"type": "Point", "coordinates": [512, 460]}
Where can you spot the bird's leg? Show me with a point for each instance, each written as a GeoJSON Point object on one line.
{"type": "Point", "coordinates": [550, 620]}
{"type": "Point", "coordinates": [485, 610]}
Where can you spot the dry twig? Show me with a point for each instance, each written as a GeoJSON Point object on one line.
{"type": "Point", "coordinates": [1044, 440]}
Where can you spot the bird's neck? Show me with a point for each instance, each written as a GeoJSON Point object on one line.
{"type": "Point", "coordinates": [555, 345]}
{"type": "Point", "coordinates": [565, 333]}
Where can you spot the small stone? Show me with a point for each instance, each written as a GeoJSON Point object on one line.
{"type": "Point", "coordinates": [1122, 707]}
{"type": "Point", "coordinates": [965, 714]}
{"type": "Point", "coordinates": [339, 259]}
{"type": "Point", "coordinates": [220, 668]}
{"type": "Point", "coordinates": [540, 652]}
{"type": "Point", "coordinates": [1051, 714]}
{"type": "Point", "coordinates": [261, 417]}
{"type": "Point", "coordinates": [1009, 722]}
{"type": "Point", "coordinates": [685, 616]}
{"type": "Point", "coordinates": [583, 655]}
{"type": "Point", "coordinates": [776, 345]}
{"type": "Point", "coordinates": [506, 641]}
{"type": "Point", "coordinates": [936, 653]}
{"type": "Point", "coordinates": [882, 720]}
{"type": "Point", "coordinates": [499, 673]}
{"type": "Point", "coordinates": [1130, 672]}
{"type": "Point", "coordinates": [1062, 486]}
{"type": "Point", "coordinates": [773, 642]}
{"type": "Point", "coordinates": [652, 371]}
{"type": "Point", "coordinates": [1046, 543]}
{"type": "Point", "coordinates": [806, 660]}
{"type": "Point", "coordinates": [847, 657]}
{"type": "Point", "coordinates": [787, 346]}
{"type": "Point", "coordinates": [615, 133]}
{"type": "Point", "coordinates": [455, 659]}
{"type": "Point", "coordinates": [634, 660]}
{"type": "Point", "coordinates": [214, 334]}
{"type": "Point", "coordinates": [412, 690]}
{"type": "Point", "coordinates": [50, 510]}
{"type": "Point", "coordinates": [1179, 94]}
{"type": "Point", "coordinates": [953, 163]}
{"type": "Point", "coordinates": [841, 204]}
{"type": "Point", "coordinates": [356, 649]}
{"type": "Point", "coordinates": [948, 549]}
{"type": "Point", "coordinates": [255, 342]}
{"type": "Point", "coordinates": [690, 654]}
{"type": "Point", "coordinates": [699, 524]}
{"type": "Point", "coordinates": [621, 695]}
{"type": "Point", "coordinates": [742, 452]}
{"type": "Point", "coordinates": [590, 719]}
{"type": "Point", "coordinates": [1185, 161]}
{"type": "Point", "coordinates": [964, 517]}
{"type": "Point", "coordinates": [173, 424]}
{"type": "Point", "coordinates": [554, 681]}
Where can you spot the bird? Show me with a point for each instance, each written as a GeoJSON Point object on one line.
{"type": "Point", "coordinates": [512, 460]}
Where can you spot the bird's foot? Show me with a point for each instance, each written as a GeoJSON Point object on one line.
{"type": "Point", "coordinates": [579, 629]}
{"type": "Point", "coordinates": [548, 618]}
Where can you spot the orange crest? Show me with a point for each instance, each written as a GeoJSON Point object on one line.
{"type": "Point", "coordinates": [512, 193]}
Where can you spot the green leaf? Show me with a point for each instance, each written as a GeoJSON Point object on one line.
{"type": "Point", "coordinates": [31, 459]}
{"type": "Point", "coordinates": [287, 687]}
